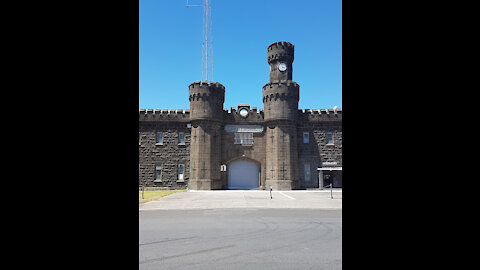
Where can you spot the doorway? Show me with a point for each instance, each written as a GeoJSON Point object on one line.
{"type": "Point", "coordinates": [243, 175]}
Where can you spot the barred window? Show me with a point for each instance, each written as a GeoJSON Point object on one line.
{"type": "Point", "coordinates": [306, 137]}
{"type": "Point", "coordinates": [158, 172]}
{"type": "Point", "coordinates": [159, 137]}
{"type": "Point", "coordinates": [329, 138]}
{"type": "Point", "coordinates": [244, 138]}
{"type": "Point", "coordinates": [307, 171]}
{"type": "Point", "coordinates": [181, 138]}
{"type": "Point", "coordinates": [180, 171]}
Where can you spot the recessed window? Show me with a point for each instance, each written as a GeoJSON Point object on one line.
{"type": "Point", "coordinates": [306, 169]}
{"type": "Point", "coordinates": [181, 138]}
{"type": "Point", "coordinates": [159, 138]}
{"type": "Point", "coordinates": [329, 138]}
{"type": "Point", "coordinates": [306, 137]}
{"type": "Point", "coordinates": [180, 171]}
{"type": "Point", "coordinates": [158, 172]}
{"type": "Point", "coordinates": [244, 138]}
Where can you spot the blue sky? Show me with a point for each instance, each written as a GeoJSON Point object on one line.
{"type": "Point", "coordinates": [170, 49]}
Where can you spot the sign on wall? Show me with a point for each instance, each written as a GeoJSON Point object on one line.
{"type": "Point", "coordinates": [244, 128]}
{"type": "Point", "coordinates": [329, 163]}
{"type": "Point", "coordinates": [223, 168]}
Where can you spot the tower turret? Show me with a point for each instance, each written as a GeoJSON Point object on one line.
{"type": "Point", "coordinates": [280, 59]}
{"type": "Point", "coordinates": [206, 112]}
{"type": "Point", "coordinates": [206, 100]}
{"type": "Point", "coordinates": [280, 99]}
{"type": "Point", "coordinates": [281, 94]}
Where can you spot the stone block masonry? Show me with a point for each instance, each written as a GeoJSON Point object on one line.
{"type": "Point", "coordinates": [169, 154]}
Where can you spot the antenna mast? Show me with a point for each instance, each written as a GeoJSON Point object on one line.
{"type": "Point", "coordinates": [207, 42]}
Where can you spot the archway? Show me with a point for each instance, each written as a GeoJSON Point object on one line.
{"type": "Point", "coordinates": [243, 174]}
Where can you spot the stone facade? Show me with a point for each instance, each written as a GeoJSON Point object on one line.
{"type": "Point", "coordinates": [288, 144]}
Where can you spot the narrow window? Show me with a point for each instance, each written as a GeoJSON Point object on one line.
{"type": "Point", "coordinates": [306, 168]}
{"type": "Point", "coordinates": [181, 138]}
{"type": "Point", "coordinates": [180, 171]}
{"type": "Point", "coordinates": [329, 138]}
{"type": "Point", "coordinates": [159, 137]}
{"type": "Point", "coordinates": [158, 172]}
{"type": "Point", "coordinates": [306, 138]}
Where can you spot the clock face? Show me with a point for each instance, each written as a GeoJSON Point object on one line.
{"type": "Point", "coordinates": [282, 67]}
{"type": "Point", "coordinates": [243, 113]}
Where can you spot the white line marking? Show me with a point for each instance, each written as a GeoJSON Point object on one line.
{"type": "Point", "coordinates": [286, 195]}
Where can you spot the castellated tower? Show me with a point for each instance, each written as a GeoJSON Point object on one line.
{"type": "Point", "coordinates": [206, 112]}
{"type": "Point", "coordinates": [280, 99]}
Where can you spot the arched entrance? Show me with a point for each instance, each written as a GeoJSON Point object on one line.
{"type": "Point", "coordinates": [243, 174]}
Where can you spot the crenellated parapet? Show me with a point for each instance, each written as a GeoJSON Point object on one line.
{"type": "Point", "coordinates": [232, 114]}
{"type": "Point", "coordinates": [280, 89]}
{"type": "Point", "coordinates": [253, 115]}
{"type": "Point", "coordinates": [281, 51]}
{"type": "Point", "coordinates": [164, 115]}
{"type": "Point", "coordinates": [206, 91]}
{"type": "Point", "coordinates": [280, 100]}
{"type": "Point", "coordinates": [206, 100]}
{"type": "Point", "coordinates": [320, 115]}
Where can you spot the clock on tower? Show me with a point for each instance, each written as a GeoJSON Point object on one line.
{"type": "Point", "coordinates": [280, 59]}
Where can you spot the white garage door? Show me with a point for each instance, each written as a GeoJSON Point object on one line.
{"type": "Point", "coordinates": [243, 174]}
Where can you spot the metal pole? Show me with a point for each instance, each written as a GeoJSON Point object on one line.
{"type": "Point", "coordinates": [331, 193]}
{"type": "Point", "coordinates": [143, 188]}
{"type": "Point", "coordinates": [320, 179]}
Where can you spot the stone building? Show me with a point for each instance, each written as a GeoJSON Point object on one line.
{"type": "Point", "coordinates": [208, 147]}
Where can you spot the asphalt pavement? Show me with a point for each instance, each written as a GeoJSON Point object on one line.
{"type": "Point", "coordinates": [238, 229]}
{"type": "Point", "coordinates": [240, 239]}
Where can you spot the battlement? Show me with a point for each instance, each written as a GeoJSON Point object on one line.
{"type": "Point", "coordinates": [282, 44]}
{"type": "Point", "coordinates": [282, 89]}
{"type": "Point", "coordinates": [320, 114]}
{"type": "Point", "coordinates": [163, 115]}
{"type": "Point", "coordinates": [233, 115]}
{"type": "Point", "coordinates": [281, 82]}
{"type": "Point", "coordinates": [281, 51]}
{"type": "Point", "coordinates": [211, 84]}
{"type": "Point", "coordinates": [206, 90]}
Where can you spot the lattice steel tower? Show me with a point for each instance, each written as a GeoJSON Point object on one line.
{"type": "Point", "coordinates": [207, 41]}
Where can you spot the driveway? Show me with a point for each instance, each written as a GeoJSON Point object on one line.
{"type": "Point", "coordinates": [227, 199]}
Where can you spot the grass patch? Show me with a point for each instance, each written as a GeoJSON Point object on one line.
{"type": "Point", "coordinates": [151, 195]}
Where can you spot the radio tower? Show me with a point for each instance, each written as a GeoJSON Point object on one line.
{"type": "Point", "coordinates": [207, 42]}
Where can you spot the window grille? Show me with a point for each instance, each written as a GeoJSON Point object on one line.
{"type": "Point", "coordinates": [180, 171]}
{"type": "Point", "coordinates": [244, 138]}
{"type": "Point", "coordinates": [306, 138]}
{"type": "Point", "coordinates": [307, 171]}
{"type": "Point", "coordinates": [159, 137]}
{"type": "Point", "coordinates": [329, 138]}
{"type": "Point", "coordinates": [158, 172]}
{"type": "Point", "coordinates": [181, 138]}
